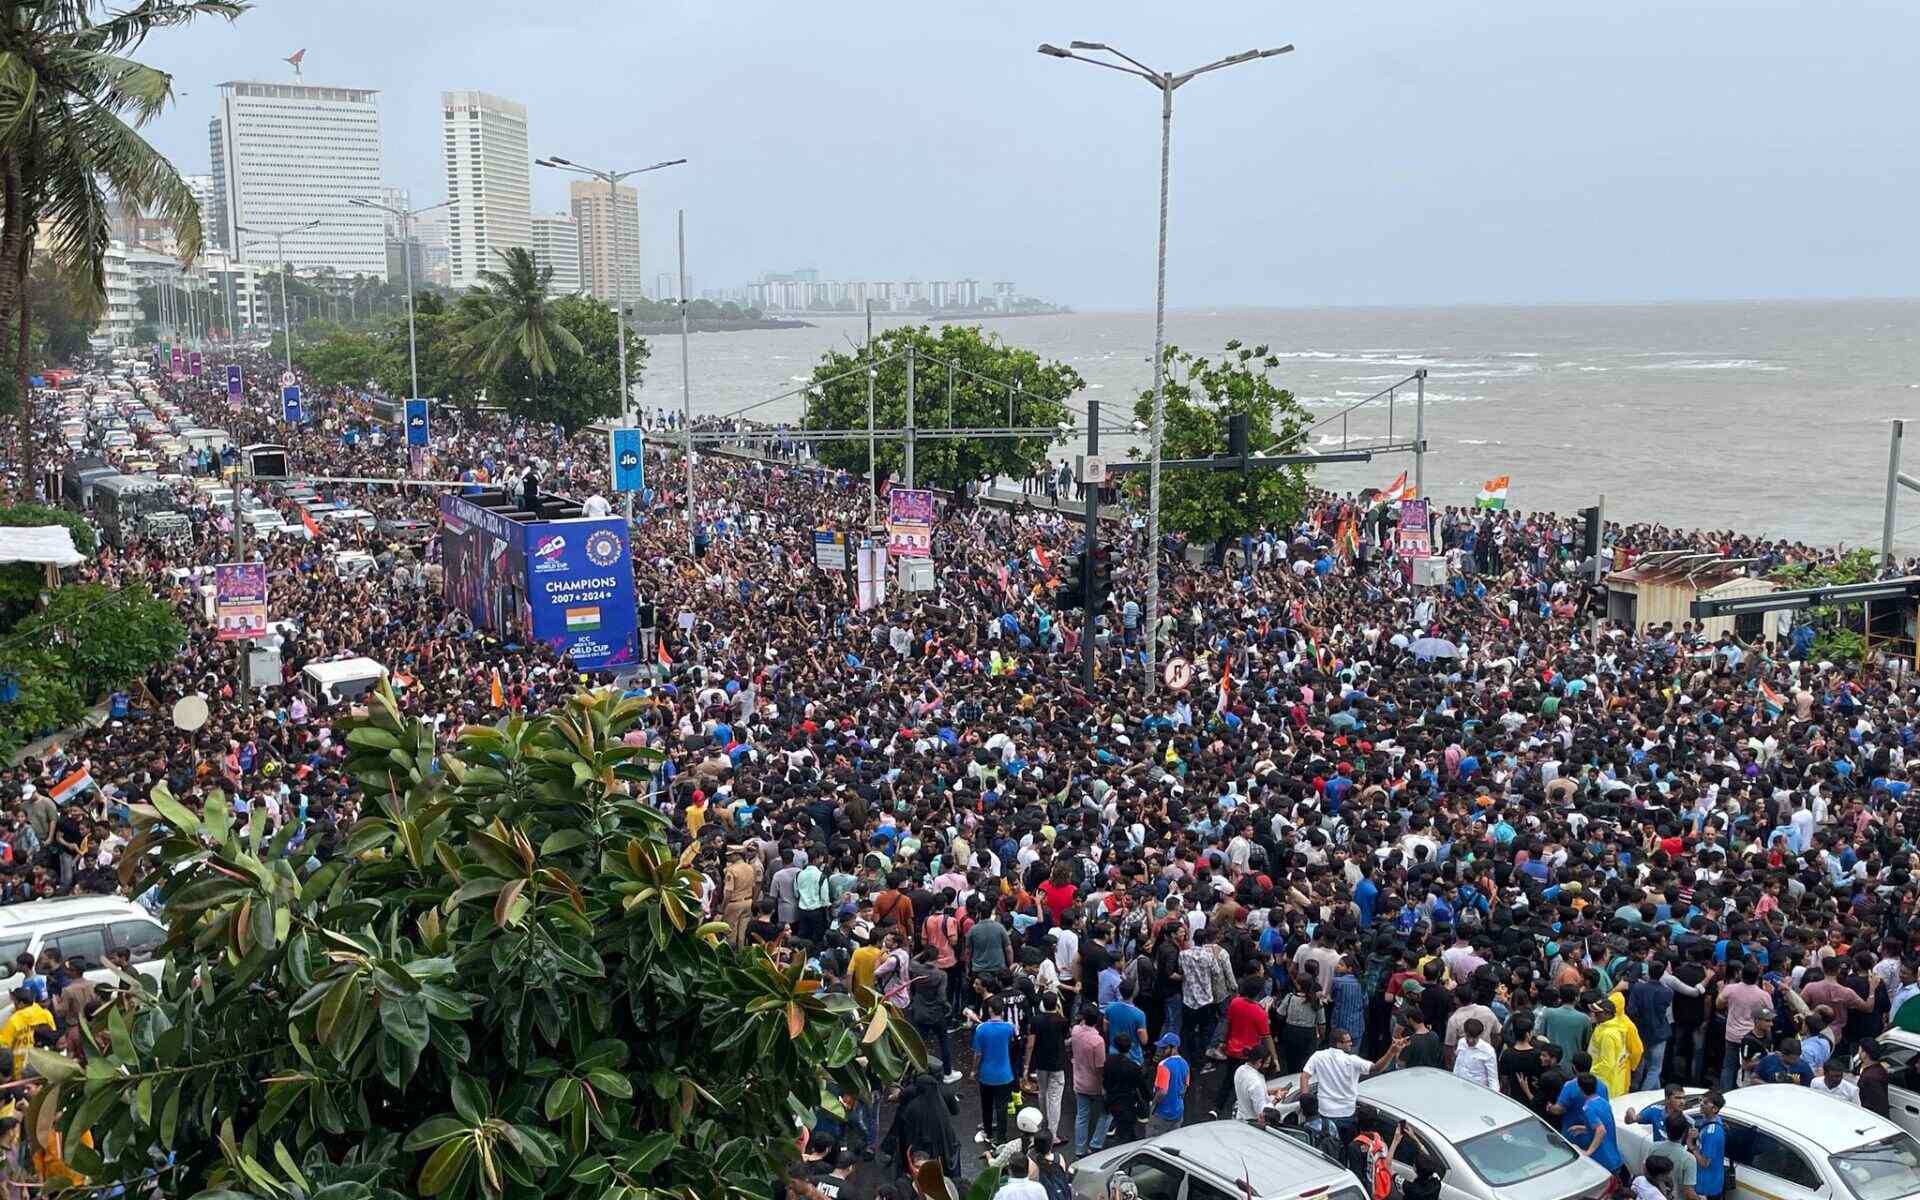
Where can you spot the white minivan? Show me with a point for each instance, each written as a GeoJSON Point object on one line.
{"type": "Point", "coordinates": [78, 927]}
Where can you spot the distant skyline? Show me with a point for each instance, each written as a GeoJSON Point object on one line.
{"type": "Point", "coordinates": [1625, 152]}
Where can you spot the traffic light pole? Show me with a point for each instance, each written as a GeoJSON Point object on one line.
{"type": "Point", "coordinates": [1090, 606]}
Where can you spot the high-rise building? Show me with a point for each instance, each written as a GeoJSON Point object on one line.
{"type": "Point", "coordinates": [430, 230]}
{"type": "Point", "coordinates": [489, 182]}
{"type": "Point", "coordinates": [289, 153]}
{"type": "Point", "coordinates": [202, 187]}
{"type": "Point", "coordinates": [609, 239]}
{"type": "Point", "coordinates": [213, 219]}
{"type": "Point", "coordinates": [395, 197]}
{"type": "Point", "coordinates": [556, 244]}
{"type": "Point", "coordinates": [121, 309]}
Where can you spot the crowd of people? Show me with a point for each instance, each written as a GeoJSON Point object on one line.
{"type": "Point", "coordinates": [1562, 859]}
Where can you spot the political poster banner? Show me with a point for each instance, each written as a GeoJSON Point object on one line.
{"type": "Point", "coordinates": [1416, 531]}
{"type": "Point", "coordinates": [239, 600]}
{"type": "Point", "coordinates": [626, 450]}
{"type": "Point", "coordinates": [290, 404]}
{"type": "Point", "coordinates": [910, 523]}
{"type": "Point", "coordinates": [419, 425]}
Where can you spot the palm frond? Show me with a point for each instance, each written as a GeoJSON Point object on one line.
{"type": "Point", "coordinates": [125, 30]}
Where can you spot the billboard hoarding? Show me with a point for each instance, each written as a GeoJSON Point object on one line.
{"type": "Point", "coordinates": [240, 600]}
{"type": "Point", "coordinates": [910, 523]}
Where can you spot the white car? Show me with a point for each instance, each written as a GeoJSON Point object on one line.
{"type": "Point", "coordinates": [1487, 1146]}
{"type": "Point", "coordinates": [1787, 1143]}
{"type": "Point", "coordinates": [1205, 1162]}
{"type": "Point", "coordinates": [1901, 1051]}
{"type": "Point", "coordinates": [78, 927]}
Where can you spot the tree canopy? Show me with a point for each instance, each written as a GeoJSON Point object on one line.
{"type": "Point", "coordinates": [992, 383]}
{"type": "Point", "coordinates": [499, 985]}
{"type": "Point", "coordinates": [1201, 393]}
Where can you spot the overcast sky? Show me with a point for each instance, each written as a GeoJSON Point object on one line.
{"type": "Point", "coordinates": [1407, 153]}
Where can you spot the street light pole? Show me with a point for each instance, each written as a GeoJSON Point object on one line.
{"type": "Point", "coordinates": [620, 297]}
{"type": "Point", "coordinates": [279, 252]}
{"type": "Point", "coordinates": [1164, 82]}
{"type": "Point", "coordinates": [406, 252]}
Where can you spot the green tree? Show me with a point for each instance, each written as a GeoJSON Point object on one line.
{"type": "Point", "coordinates": [341, 358]}
{"type": "Point", "coordinates": [1207, 506]}
{"type": "Point", "coordinates": [71, 107]}
{"type": "Point", "coordinates": [1839, 631]}
{"type": "Point", "coordinates": [586, 387]}
{"type": "Point", "coordinates": [509, 327]}
{"type": "Point", "coordinates": [105, 637]}
{"type": "Point", "coordinates": [982, 386]}
{"type": "Point", "coordinates": [443, 370]}
{"type": "Point", "coordinates": [501, 986]}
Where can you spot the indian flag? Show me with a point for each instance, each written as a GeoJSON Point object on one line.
{"type": "Point", "coordinates": [1774, 701]}
{"type": "Point", "coordinates": [1493, 493]}
{"type": "Point", "coordinates": [72, 786]}
{"type": "Point", "coordinates": [583, 620]}
{"type": "Point", "coordinates": [1396, 491]}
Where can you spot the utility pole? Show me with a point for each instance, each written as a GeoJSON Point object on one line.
{"type": "Point", "coordinates": [686, 380]}
{"type": "Point", "coordinates": [909, 452]}
{"type": "Point", "coordinates": [1091, 608]}
{"type": "Point", "coordinates": [873, 493]}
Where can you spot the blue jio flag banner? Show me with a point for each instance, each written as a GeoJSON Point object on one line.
{"type": "Point", "coordinates": [629, 460]}
{"type": "Point", "coordinates": [233, 382]}
{"type": "Point", "coordinates": [290, 401]}
{"type": "Point", "coordinates": [418, 428]}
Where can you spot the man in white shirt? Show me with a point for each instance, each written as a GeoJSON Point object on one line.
{"type": "Point", "coordinates": [1473, 1057]}
{"type": "Point", "coordinates": [1334, 1076]}
{"type": "Point", "coordinates": [1833, 1081]}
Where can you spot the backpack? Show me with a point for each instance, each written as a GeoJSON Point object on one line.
{"type": "Point", "coordinates": [1368, 1159]}
{"type": "Point", "coordinates": [1055, 1179]}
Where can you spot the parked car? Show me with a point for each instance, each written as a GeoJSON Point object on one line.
{"type": "Point", "coordinates": [1901, 1053]}
{"type": "Point", "coordinates": [1206, 1161]}
{"type": "Point", "coordinates": [1788, 1143]}
{"type": "Point", "coordinates": [1486, 1146]}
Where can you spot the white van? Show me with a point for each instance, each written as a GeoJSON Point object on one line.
{"type": "Point", "coordinates": [78, 926]}
{"type": "Point", "coordinates": [342, 680]}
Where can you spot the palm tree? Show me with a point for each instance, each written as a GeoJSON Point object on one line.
{"type": "Point", "coordinates": [508, 323]}
{"type": "Point", "coordinates": [71, 105]}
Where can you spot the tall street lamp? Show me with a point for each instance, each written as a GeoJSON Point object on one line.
{"type": "Point", "coordinates": [279, 255]}
{"type": "Point", "coordinates": [613, 179]}
{"type": "Point", "coordinates": [406, 217]}
{"type": "Point", "coordinates": [1165, 83]}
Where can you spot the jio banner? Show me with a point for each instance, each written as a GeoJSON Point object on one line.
{"type": "Point", "coordinates": [626, 451]}
{"type": "Point", "coordinates": [1416, 531]}
{"type": "Point", "coordinates": [173, 360]}
{"type": "Point", "coordinates": [193, 364]}
{"type": "Point", "coordinates": [233, 385]}
{"type": "Point", "coordinates": [239, 600]}
{"type": "Point", "coordinates": [419, 425]}
{"type": "Point", "coordinates": [909, 523]}
{"type": "Point", "coordinates": [290, 401]}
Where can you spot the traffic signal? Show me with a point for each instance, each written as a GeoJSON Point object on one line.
{"type": "Point", "coordinates": [1100, 577]}
{"type": "Point", "coordinates": [1237, 437]}
{"type": "Point", "coordinates": [1589, 532]}
{"type": "Point", "coordinates": [1072, 592]}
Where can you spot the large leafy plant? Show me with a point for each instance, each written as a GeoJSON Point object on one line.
{"type": "Point", "coordinates": [501, 987]}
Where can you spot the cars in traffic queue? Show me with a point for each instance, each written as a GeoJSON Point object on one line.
{"type": "Point", "coordinates": [1206, 1161]}
{"type": "Point", "coordinates": [1485, 1146]}
{"type": "Point", "coordinates": [1785, 1142]}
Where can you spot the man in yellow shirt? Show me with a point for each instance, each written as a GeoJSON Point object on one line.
{"type": "Point", "coordinates": [862, 966]}
{"type": "Point", "coordinates": [17, 1034]}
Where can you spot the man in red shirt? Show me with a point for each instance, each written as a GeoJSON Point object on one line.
{"type": "Point", "coordinates": [1249, 1039]}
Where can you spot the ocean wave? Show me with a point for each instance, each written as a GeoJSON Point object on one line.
{"type": "Point", "coordinates": [1725, 364]}
{"type": "Point", "coordinates": [1334, 439]}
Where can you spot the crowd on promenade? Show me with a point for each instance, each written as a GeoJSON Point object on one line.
{"type": "Point", "coordinates": [1560, 862]}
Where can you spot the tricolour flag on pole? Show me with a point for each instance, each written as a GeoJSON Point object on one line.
{"type": "Point", "coordinates": [496, 693]}
{"type": "Point", "coordinates": [1493, 493]}
{"type": "Point", "coordinates": [1226, 683]}
{"type": "Point", "coordinates": [1396, 491]}
{"type": "Point", "coordinates": [660, 655]}
{"type": "Point", "coordinates": [1347, 541]}
{"type": "Point", "coordinates": [313, 526]}
{"type": "Point", "coordinates": [1774, 701]}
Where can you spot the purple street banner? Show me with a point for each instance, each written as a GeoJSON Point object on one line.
{"type": "Point", "coordinates": [909, 523]}
{"type": "Point", "coordinates": [233, 385]}
{"type": "Point", "coordinates": [1416, 531]}
{"type": "Point", "coordinates": [240, 600]}
{"type": "Point", "coordinates": [193, 363]}
{"type": "Point", "coordinates": [173, 358]}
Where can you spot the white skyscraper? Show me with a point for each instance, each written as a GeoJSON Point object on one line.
{"type": "Point", "coordinates": [556, 244]}
{"type": "Point", "coordinates": [489, 182]}
{"type": "Point", "coordinates": [288, 153]}
{"type": "Point", "coordinates": [400, 198]}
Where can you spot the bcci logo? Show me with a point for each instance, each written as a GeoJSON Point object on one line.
{"type": "Point", "coordinates": [604, 547]}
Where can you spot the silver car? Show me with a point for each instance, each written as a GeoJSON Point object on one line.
{"type": "Point", "coordinates": [1207, 1161]}
{"type": "Point", "coordinates": [1486, 1145]}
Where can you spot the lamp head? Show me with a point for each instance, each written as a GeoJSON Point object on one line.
{"type": "Point", "coordinates": [1053, 51]}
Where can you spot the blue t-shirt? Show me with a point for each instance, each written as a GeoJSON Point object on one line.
{"type": "Point", "coordinates": [1598, 1114]}
{"type": "Point", "coordinates": [1172, 1076]}
{"type": "Point", "coordinates": [1712, 1179]}
{"type": "Point", "coordinates": [1125, 1018]}
{"type": "Point", "coordinates": [1572, 1101]}
{"type": "Point", "coordinates": [991, 1044]}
